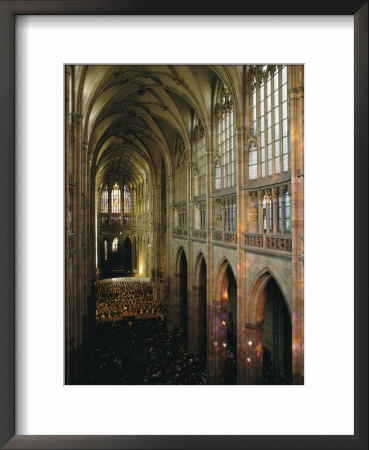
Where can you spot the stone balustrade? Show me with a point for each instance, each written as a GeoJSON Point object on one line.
{"type": "Point", "coordinates": [253, 240]}
{"type": "Point", "coordinates": [270, 242]}
{"type": "Point", "coordinates": [180, 231]}
{"type": "Point", "coordinates": [227, 237]}
{"type": "Point", "coordinates": [282, 243]}
{"type": "Point", "coordinates": [199, 234]}
{"type": "Point", "coordinates": [230, 238]}
{"type": "Point", "coordinates": [217, 236]}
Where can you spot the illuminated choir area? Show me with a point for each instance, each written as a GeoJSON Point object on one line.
{"type": "Point", "coordinates": [184, 224]}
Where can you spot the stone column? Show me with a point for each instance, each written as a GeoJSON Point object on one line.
{"type": "Point", "coordinates": [77, 120]}
{"type": "Point", "coordinates": [210, 225]}
{"type": "Point", "coordinates": [296, 97]}
{"type": "Point", "coordinates": [217, 354]}
{"type": "Point", "coordinates": [260, 212]}
{"type": "Point", "coordinates": [282, 192]}
{"type": "Point", "coordinates": [109, 203]}
{"type": "Point", "coordinates": [267, 199]}
{"type": "Point", "coordinates": [122, 204]}
{"type": "Point", "coordinates": [174, 315]}
{"type": "Point", "coordinates": [171, 320]}
{"type": "Point", "coordinates": [69, 247]}
{"type": "Point", "coordinates": [156, 236]}
{"type": "Point", "coordinates": [252, 355]}
{"type": "Point", "coordinates": [194, 320]}
{"type": "Point", "coordinates": [275, 210]}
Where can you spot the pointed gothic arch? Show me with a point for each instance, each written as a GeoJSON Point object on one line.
{"type": "Point", "coordinates": [271, 316]}
{"type": "Point", "coordinates": [182, 289]}
{"type": "Point", "coordinates": [198, 313]}
{"type": "Point", "coordinates": [127, 255]}
{"type": "Point", "coordinates": [222, 359]}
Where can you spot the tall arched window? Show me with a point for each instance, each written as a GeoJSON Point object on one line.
{"type": "Point", "coordinates": [104, 200]}
{"type": "Point", "coordinates": [264, 215]}
{"type": "Point", "coordinates": [253, 161]}
{"type": "Point", "coordinates": [287, 212]}
{"type": "Point", "coordinates": [115, 199]}
{"type": "Point", "coordinates": [105, 250]}
{"type": "Point", "coordinates": [127, 200]}
{"type": "Point", "coordinates": [270, 213]}
{"type": "Point", "coordinates": [200, 154]}
{"type": "Point", "coordinates": [225, 136]}
{"type": "Point", "coordinates": [269, 111]}
{"type": "Point", "coordinates": [115, 244]}
{"type": "Point", "coordinates": [218, 182]}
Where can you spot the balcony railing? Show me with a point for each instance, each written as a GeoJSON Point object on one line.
{"type": "Point", "coordinates": [268, 241]}
{"type": "Point", "coordinates": [199, 234]}
{"type": "Point", "coordinates": [224, 236]}
{"type": "Point", "coordinates": [180, 231]}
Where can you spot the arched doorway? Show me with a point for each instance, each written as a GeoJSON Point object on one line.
{"type": "Point", "coordinates": [134, 255]}
{"type": "Point", "coordinates": [182, 294]}
{"type": "Point", "coordinates": [115, 254]}
{"type": "Point", "coordinates": [198, 312]}
{"type": "Point", "coordinates": [230, 373]}
{"type": "Point", "coordinates": [277, 337]}
{"type": "Point", "coordinates": [127, 256]}
{"type": "Point", "coordinates": [268, 349]}
{"type": "Point", "coordinates": [222, 358]}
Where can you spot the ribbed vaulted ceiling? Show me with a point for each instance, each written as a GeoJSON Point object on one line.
{"type": "Point", "coordinates": [134, 113]}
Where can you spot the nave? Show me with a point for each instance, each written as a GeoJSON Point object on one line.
{"type": "Point", "coordinates": [193, 178]}
{"type": "Point", "coordinates": [131, 344]}
{"type": "Point", "coordinates": [137, 352]}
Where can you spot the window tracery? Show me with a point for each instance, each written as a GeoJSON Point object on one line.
{"type": "Point", "coordinates": [127, 200]}
{"type": "Point", "coordinates": [104, 200]}
{"type": "Point", "coordinates": [269, 121]}
{"type": "Point", "coordinates": [225, 139]}
{"type": "Point", "coordinates": [115, 244]}
{"type": "Point", "coordinates": [115, 199]}
{"type": "Point", "coordinates": [200, 155]}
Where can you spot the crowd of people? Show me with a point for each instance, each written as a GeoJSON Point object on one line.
{"type": "Point", "coordinates": [132, 345]}
{"type": "Point", "coordinates": [143, 352]}
{"type": "Point", "coordinates": [117, 299]}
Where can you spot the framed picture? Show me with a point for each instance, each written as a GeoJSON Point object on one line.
{"type": "Point", "coordinates": [122, 246]}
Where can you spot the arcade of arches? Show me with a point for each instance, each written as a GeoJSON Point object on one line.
{"type": "Point", "coordinates": [191, 177]}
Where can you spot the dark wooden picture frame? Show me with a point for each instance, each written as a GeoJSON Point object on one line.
{"type": "Point", "coordinates": [8, 10]}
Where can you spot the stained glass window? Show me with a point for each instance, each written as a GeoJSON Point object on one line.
{"type": "Point", "coordinates": [105, 250]}
{"type": "Point", "coordinates": [114, 246]}
{"type": "Point", "coordinates": [104, 200]}
{"type": "Point", "coordinates": [127, 207]}
{"type": "Point", "coordinates": [115, 199]}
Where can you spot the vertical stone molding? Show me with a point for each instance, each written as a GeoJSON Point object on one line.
{"type": "Point", "coordinates": [217, 353]}
{"type": "Point", "coordinates": [260, 214]}
{"type": "Point", "coordinates": [275, 210]}
{"type": "Point", "coordinates": [252, 356]}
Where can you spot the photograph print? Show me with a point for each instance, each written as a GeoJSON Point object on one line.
{"type": "Point", "coordinates": [184, 224]}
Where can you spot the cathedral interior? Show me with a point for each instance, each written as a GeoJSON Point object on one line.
{"type": "Point", "coordinates": [184, 224]}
